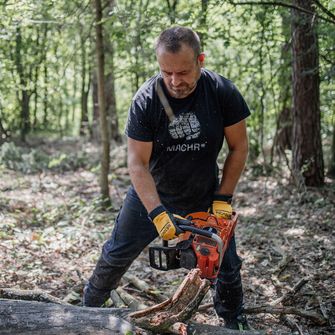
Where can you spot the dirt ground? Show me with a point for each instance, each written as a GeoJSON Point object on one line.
{"type": "Point", "coordinates": [52, 228]}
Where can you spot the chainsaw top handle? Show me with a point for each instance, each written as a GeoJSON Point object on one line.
{"type": "Point", "coordinates": [187, 225]}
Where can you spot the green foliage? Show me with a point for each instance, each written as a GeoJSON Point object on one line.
{"type": "Point", "coordinates": [248, 44]}
{"type": "Point", "coordinates": [16, 158]}
{"type": "Point", "coordinates": [32, 160]}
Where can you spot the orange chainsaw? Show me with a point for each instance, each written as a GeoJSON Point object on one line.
{"type": "Point", "coordinates": [202, 245]}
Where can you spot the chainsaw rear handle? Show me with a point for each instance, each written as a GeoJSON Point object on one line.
{"type": "Point", "coordinates": [205, 233]}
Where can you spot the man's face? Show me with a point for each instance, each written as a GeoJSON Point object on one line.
{"type": "Point", "coordinates": [180, 71]}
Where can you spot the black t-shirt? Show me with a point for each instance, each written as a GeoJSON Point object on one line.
{"type": "Point", "coordinates": [183, 161]}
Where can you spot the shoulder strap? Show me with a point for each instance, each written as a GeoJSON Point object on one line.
{"type": "Point", "coordinates": [164, 101]}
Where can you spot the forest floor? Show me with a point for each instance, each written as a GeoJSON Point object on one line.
{"type": "Point", "coordinates": [52, 229]}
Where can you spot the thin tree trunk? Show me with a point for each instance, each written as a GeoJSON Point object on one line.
{"type": "Point", "coordinates": [203, 23]}
{"type": "Point", "coordinates": [84, 90]}
{"type": "Point", "coordinates": [307, 159]}
{"type": "Point", "coordinates": [102, 104]}
{"type": "Point", "coordinates": [46, 79]}
{"type": "Point", "coordinates": [110, 88]}
{"type": "Point", "coordinates": [25, 96]}
{"type": "Point", "coordinates": [36, 76]}
{"type": "Point", "coordinates": [95, 117]}
{"type": "Point", "coordinates": [283, 136]}
{"type": "Point", "coordinates": [331, 170]}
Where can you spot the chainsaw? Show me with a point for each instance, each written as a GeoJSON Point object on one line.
{"type": "Point", "coordinates": [202, 245]}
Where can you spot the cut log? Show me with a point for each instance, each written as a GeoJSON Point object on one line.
{"type": "Point", "coordinates": [179, 308]}
{"type": "Point", "coordinates": [39, 318]}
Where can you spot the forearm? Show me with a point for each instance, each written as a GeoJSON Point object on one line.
{"type": "Point", "coordinates": [232, 170]}
{"type": "Point", "coordinates": [145, 186]}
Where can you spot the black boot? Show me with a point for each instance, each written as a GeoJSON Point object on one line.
{"type": "Point", "coordinates": [94, 297]}
{"type": "Point", "coordinates": [105, 278]}
{"type": "Point", "coordinates": [239, 323]}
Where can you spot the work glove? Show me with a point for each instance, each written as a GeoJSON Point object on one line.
{"type": "Point", "coordinates": [165, 223]}
{"type": "Point", "coordinates": [221, 206]}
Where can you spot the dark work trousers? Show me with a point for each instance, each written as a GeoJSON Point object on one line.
{"type": "Point", "coordinates": [132, 232]}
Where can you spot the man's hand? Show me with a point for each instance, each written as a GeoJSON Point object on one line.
{"type": "Point", "coordinates": [221, 206]}
{"type": "Point", "coordinates": [165, 223]}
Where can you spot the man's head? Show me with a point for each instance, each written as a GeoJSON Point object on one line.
{"type": "Point", "coordinates": [180, 60]}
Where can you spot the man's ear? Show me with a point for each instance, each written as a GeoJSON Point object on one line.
{"type": "Point", "coordinates": [201, 59]}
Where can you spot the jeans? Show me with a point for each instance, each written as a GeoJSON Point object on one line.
{"type": "Point", "coordinates": [132, 232]}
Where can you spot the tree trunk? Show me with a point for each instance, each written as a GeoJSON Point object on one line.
{"type": "Point", "coordinates": [203, 23]}
{"type": "Point", "coordinates": [25, 96]}
{"type": "Point", "coordinates": [111, 108]}
{"type": "Point", "coordinates": [110, 96]}
{"type": "Point", "coordinates": [102, 104]}
{"type": "Point", "coordinates": [36, 76]}
{"type": "Point", "coordinates": [283, 135]}
{"type": "Point", "coordinates": [84, 87]}
{"type": "Point", "coordinates": [95, 117]}
{"type": "Point", "coordinates": [331, 170]}
{"type": "Point", "coordinates": [307, 156]}
{"type": "Point", "coordinates": [46, 80]}
{"type": "Point", "coordinates": [110, 88]}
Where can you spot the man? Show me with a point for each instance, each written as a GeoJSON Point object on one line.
{"type": "Point", "coordinates": [176, 126]}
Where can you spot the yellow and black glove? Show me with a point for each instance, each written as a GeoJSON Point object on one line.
{"type": "Point", "coordinates": [221, 206]}
{"type": "Point", "coordinates": [165, 223]}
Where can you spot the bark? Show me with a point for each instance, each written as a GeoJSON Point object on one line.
{"type": "Point", "coordinates": [36, 76]}
{"type": "Point", "coordinates": [84, 87]}
{"type": "Point", "coordinates": [110, 94]}
{"type": "Point", "coordinates": [105, 159]}
{"type": "Point", "coordinates": [25, 95]}
{"type": "Point", "coordinates": [283, 135]}
{"type": "Point", "coordinates": [46, 81]}
{"type": "Point", "coordinates": [331, 170]}
{"type": "Point", "coordinates": [39, 318]}
{"type": "Point", "coordinates": [307, 156]}
{"type": "Point", "coordinates": [95, 122]}
{"type": "Point", "coordinates": [203, 23]}
{"type": "Point", "coordinates": [110, 90]}
{"type": "Point", "coordinates": [111, 106]}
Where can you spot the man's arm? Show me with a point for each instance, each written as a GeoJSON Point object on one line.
{"type": "Point", "coordinates": [138, 165]}
{"type": "Point", "coordinates": [237, 140]}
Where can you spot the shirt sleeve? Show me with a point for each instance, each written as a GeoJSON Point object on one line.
{"type": "Point", "coordinates": [138, 125]}
{"type": "Point", "coordinates": [235, 109]}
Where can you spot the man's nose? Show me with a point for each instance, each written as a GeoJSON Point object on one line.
{"type": "Point", "coordinates": [175, 80]}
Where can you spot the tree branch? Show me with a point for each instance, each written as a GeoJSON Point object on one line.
{"type": "Point", "coordinates": [324, 9]}
{"type": "Point", "coordinates": [283, 4]}
{"type": "Point", "coordinates": [314, 317]}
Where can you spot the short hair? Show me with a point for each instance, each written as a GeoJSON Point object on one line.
{"type": "Point", "coordinates": [172, 39]}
